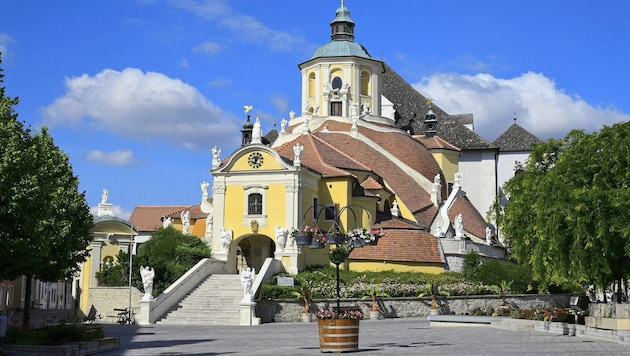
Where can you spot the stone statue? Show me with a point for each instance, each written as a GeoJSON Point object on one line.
{"type": "Point", "coordinates": [257, 131]}
{"type": "Point", "coordinates": [291, 114]}
{"type": "Point", "coordinates": [297, 151]}
{"type": "Point", "coordinates": [247, 281]}
{"type": "Point", "coordinates": [315, 109]}
{"type": "Point", "coordinates": [436, 183]}
{"type": "Point", "coordinates": [366, 108]}
{"type": "Point", "coordinates": [281, 237]}
{"type": "Point", "coordinates": [458, 179]}
{"type": "Point", "coordinates": [226, 238]}
{"type": "Point", "coordinates": [354, 109]}
{"type": "Point", "coordinates": [185, 216]}
{"type": "Point", "coordinates": [147, 274]}
{"type": "Point", "coordinates": [283, 125]}
{"type": "Point", "coordinates": [355, 122]}
{"type": "Point", "coordinates": [204, 188]}
{"type": "Point", "coordinates": [216, 160]}
{"type": "Point", "coordinates": [104, 196]}
{"type": "Point", "coordinates": [488, 235]}
{"type": "Point", "coordinates": [394, 209]}
{"type": "Point", "coordinates": [166, 221]}
{"type": "Point", "coordinates": [459, 226]}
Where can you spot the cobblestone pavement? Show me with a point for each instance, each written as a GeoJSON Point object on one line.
{"type": "Point", "coordinates": [407, 336]}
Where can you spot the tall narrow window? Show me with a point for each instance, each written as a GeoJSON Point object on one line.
{"type": "Point", "coordinates": [311, 85]}
{"type": "Point", "coordinates": [365, 83]}
{"type": "Point", "coordinates": [315, 208]}
{"type": "Point", "coordinates": [254, 204]}
{"type": "Point", "coordinates": [335, 108]}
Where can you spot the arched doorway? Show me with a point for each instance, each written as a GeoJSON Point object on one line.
{"type": "Point", "coordinates": [252, 250]}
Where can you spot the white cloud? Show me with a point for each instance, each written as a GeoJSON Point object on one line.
{"type": "Point", "coordinates": [118, 211]}
{"type": "Point", "coordinates": [281, 103]}
{"type": "Point", "coordinates": [143, 106]}
{"type": "Point", "coordinates": [220, 82]}
{"type": "Point", "coordinates": [115, 158]}
{"type": "Point", "coordinates": [208, 48]}
{"type": "Point", "coordinates": [5, 40]}
{"type": "Point", "coordinates": [540, 106]}
{"type": "Point", "coordinates": [246, 27]}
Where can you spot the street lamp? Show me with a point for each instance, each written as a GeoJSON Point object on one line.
{"type": "Point", "coordinates": [342, 241]}
{"type": "Point", "coordinates": [130, 270]}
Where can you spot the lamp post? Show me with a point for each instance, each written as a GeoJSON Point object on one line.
{"type": "Point", "coordinates": [130, 270]}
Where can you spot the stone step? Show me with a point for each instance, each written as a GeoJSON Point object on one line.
{"type": "Point", "coordinates": [214, 301]}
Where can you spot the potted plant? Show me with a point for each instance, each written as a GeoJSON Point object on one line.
{"type": "Point", "coordinates": [434, 291]}
{"type": "Point", "coordinates": [374, 291]}
{"type": "Point", "coordinates": [339, 330]}
{"type": "Point", "coordinates": [304, 292]}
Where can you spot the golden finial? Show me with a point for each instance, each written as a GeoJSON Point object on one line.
{"type": "Point", "coordinates": [429, 101]}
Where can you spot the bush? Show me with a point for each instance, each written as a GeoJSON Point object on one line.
{"type": "Point", "coordinates": [470, 269]}
{"type": "Point", "coordinates": [50, 335]}
{"type": "Point", "coordinates": [357, 284]}
{"type": "Point", "coordinates": [493, 272]}
{"type": "Point", "coordinates": [169, 252]}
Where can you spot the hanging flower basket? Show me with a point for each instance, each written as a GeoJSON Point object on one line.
{"type": "Point", "coordinates": [338, 255]}
{"type": "Point", "coordinates": [316, 243]}
{"type": "Point", "coordinates": [302, 239]}
{"type": "Point", "coordinates": [335, 238]}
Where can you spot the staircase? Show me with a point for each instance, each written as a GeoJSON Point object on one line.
{"type": "Point", "coordinates": [214, 301]}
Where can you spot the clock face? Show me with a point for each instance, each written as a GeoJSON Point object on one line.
{"type": "Point", "coordinates": [255, 160]}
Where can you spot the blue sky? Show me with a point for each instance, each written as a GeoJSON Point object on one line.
{"type": "Point", "coordinates": [138, 92]}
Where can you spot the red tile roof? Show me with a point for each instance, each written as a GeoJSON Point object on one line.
{"type": "Point", "coordinates": [149, 218]}
{"type": "Point", "coordinates": [474, 223]}
{"type": "Point", "coordinates": [333, 154]}
{"type": "Point", "coordinates": [402, 245]}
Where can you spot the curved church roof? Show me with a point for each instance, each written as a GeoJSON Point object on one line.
{"type": "Point", "coordinates": [402, 162]}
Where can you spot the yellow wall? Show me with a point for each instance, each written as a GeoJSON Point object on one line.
{"type": "Point", "coordinates": [377, 266]}
{"type": "Point", "coordinates": [448, 161]}
{"type": "Point", "coordinates": [269, 162]}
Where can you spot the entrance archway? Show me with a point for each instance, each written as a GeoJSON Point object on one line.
{"type": "Point", "coordinates": [252, 250]}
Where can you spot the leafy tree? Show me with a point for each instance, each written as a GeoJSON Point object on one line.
{"type": "Point", "coordinates": [169, 252]}
{"type": "Point", "coordinates": [44, 220]}
{"type": "Point", "coordinates": [567, 214]}
{"type": "Point", "coordinates": [470, 269]}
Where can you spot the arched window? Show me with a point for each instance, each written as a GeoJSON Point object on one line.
{"type": "Point", "coordinates": [254, 204]}
{"type": "Point", "coordinates": [255, 200]}
{"type": "Point", "coordinates": [365, 83]}
{"type": "Point", "coordinates": [311, 84]}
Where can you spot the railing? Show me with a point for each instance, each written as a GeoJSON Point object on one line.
{"type": "Point", "coordinates": [153, 310]}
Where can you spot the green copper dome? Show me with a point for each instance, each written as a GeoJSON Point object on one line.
{"type": "Point", "coordinates": [341, 49]}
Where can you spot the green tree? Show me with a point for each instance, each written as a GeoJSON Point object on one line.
{"type": "Point", "coordinates": [44, 220]}
{"type": "Point", "coordinates": [568, 209]}
{"type": "Point", "coordinates": [169, 252]}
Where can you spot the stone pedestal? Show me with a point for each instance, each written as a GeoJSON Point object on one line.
{"type": "Point", "coordinates": [248, 314]}
{"type": "Point", "coordinates": [289, 260]}
{"type": "Point", "coordinates": [610, 316]}
{"type": "Point", "coordinates": [144, 317]}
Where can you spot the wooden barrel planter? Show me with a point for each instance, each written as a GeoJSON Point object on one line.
{"type": "Point", "coordinates": [338, 335]}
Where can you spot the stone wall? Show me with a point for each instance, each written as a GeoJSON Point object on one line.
{"type": "Point", "coordinates": [105, 299]}
{"type": "Point", "coordinates": [290, 310]}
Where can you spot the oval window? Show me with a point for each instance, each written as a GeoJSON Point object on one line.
{"type": "Point", "coordinates": [336, 83]}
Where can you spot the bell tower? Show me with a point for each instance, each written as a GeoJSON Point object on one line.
{"type": "Point", "coordinates": [341, 78]}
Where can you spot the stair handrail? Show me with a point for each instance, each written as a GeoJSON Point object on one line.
{"type": "Point", "coordinates": [153, 310]}
{"type": "Point", "coordinates": [270, 268]}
